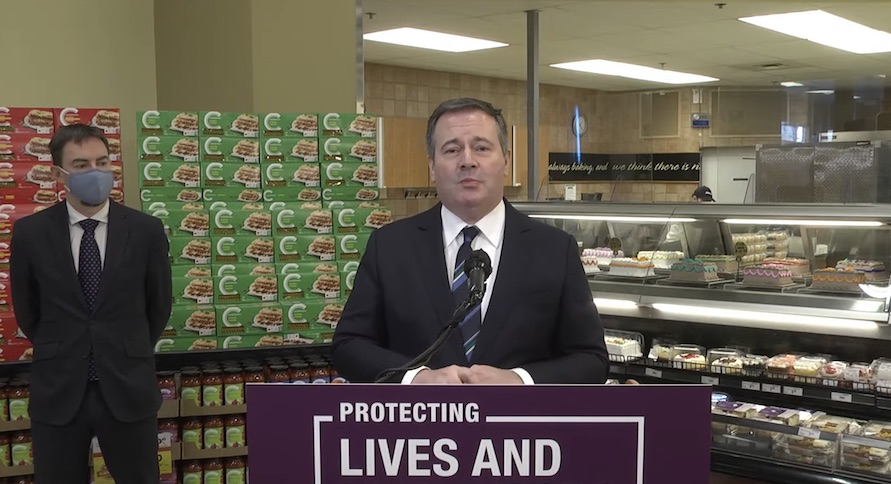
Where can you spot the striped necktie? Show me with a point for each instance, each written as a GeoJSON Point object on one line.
{"type": "Point", "coordinates": [470, 327]}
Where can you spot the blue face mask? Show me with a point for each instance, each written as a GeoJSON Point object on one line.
{"type": "Point", "coordinates": [91, 187]}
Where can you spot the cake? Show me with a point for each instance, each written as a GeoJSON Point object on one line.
{"type": "Point", "coordinates": [728, 364]}
{"type": "Point", "coordinates": [753, 365]}
{"type": "Point", "coordinates": [662, 259]}
{"type": "Point", "coordinates": [724, 263]}
{"type": "Point", "coordinates": [602, 253]}
{"type": "Point", "coordinates": [767, 275]}
{"type": "Point", "coordinates": [874, 270]}
{"type": "Point", "coordinates": [831, 279]}
{"type": "Point", "coordinates": [589, 263]}
{"type": "Point", "coordinates": [834, 370]}
{"type": "Point", "coordinates": [685, 360]}
{"type": "Point", "coordinates": [623, 347]}
{"type": "Point", "coordinates": [798, 267]}
{"type": "Point", "coordinates": [781, 364]}
{"type": "Point", "coordinates": [808, 366]}
{"type": "Point", "coordinates": [693, 270]}
{"type": "Point", "coordinates": [631, 267]}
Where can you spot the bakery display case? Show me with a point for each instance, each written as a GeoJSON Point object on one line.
{"type": "Point", "coordinates": [784, 309]}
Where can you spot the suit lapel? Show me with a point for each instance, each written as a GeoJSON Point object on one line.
{"type": "Point", "coordinates": [116, 239]}
{"type": "Point", "coordinates": [430, 257]}
{"type": "Point", "coordinates": [510, 273]}
{"type": "Point", "coordinates": [60, 243]}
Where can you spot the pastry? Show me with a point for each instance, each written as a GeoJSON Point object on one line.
{"type": "Point", "coordinates": [326, 283]}
{"type": "Point", "coordinates": [322, 247]}
{"type": "Point", "coordinates": [247, 174]}
{"type": "Point", "coordinates": [246, 123]}
{"type": "Point", "coordinates": [320, 221]}
{"type": "Point", "coordinates": [198, 289]}
{"type": "Point", "coordinates": [196, 222]}
{"type": "Point", "coordinates": [40, 174]}
{"type": "Point", "coordinates": [261, 248]}
{"type": "Point", "coordinates": [305, 123]}
{"type": "Point", "coordinates": [258, 221]}
{"type": "Point", "coordinates": [38, 147]}
{"type": "Point", "coordinates": [268, 318]}
{"type": "Point", "coordinates": [187, 174]}
{"type": "Point", "coordinates": [185, 122]}
{"type": "Point", "coordinates": [185, 148]}
{"type": "Point", "coordinates": [263, 286]}
{"type": "Point", "coordinates": [201, 321]}
{"type": "Point", "coordinates": [197, 249]}
{"type": "Point", "coordinates": [305, 148]}
{"type": "Point", "coordinates": [378, 218]}
{"type": "Point", "coordinates": [246, 149]}
{"type": "Point", "coordinates": [46, 196]}
{"type": "Point", "coordinates": [631, 267]}
{"type": "Point", "coordinates": [364, 149]}
{"type": "Point", "coordinates": [331, 314]}
{"type": "Point", "coordinates": [107, 119]}
{"type": "Point", "coordinates": [39, 119]}
{"type": "Point", "coordinates": [307, 173]}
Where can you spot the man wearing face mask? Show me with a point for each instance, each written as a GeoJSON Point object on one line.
{"type": "Point", "coordinates": [91, 290]}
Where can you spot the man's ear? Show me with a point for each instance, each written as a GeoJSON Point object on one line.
{"type": "Point", "coordinates": [430, 166]}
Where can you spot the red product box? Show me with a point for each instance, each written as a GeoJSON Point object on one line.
{"type": "Point", "coordinates": [34, 194]}
{"type": "Point", "coordinates": [27, 175]}
{"type": "Point", "coordinates": [107, 119]}
{"type": "Point", "coordinates": [25, 147]}
{"type": "Point", "coordinates": [9, 328]}
{"type": "Point", "coordinates": [117, 170]}
{"type": "Point", "coordinates": [117, 193]}
{"type": "Point", "coordinates": [5, 296]}
{"type": "Point", "coordinates": [4, 267]}
{"type": "Point", "coordinates": [27, 120]}
{"type": "Point", "coordinates": [19, 350]}
{"type": "Point", "coordinates": [10, 213]}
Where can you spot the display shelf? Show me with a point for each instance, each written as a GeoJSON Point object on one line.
{"type": "Point", "coordinates": [190, 453]}
{"type": "Point", "coordinates": [15, 471]}
{"type": "Point", "coordinates": [169, 409]}
{"type": "Point", "coordinates": [757, 467]}
{"type": "Point", "coordinates": [189, 409]}
{"type": "Point", "coordinates": [176, 451]}
{"type": "Point", "coordinates": [15, 425]}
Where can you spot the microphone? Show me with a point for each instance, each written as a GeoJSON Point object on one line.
{"type": "Point", "coordinates": [478, 267]}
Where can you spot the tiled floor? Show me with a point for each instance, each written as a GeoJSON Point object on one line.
{"type": "Point", "coordinates": [725, 479]}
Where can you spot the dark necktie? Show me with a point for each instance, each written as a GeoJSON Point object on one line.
{"type": "Point", "coordinates": [470, 327]}
{"type": "Point", "coordinates": [89, 272]}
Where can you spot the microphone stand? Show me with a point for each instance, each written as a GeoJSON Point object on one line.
{"type": "Point", "coordinates": [473, 300]}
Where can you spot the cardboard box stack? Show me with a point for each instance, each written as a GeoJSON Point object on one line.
{"type": "Point", "coordinates": [28, 185]}
{"type": "Point", "coordinates": [268, 216]}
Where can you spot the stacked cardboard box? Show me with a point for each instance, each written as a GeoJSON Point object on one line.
{"type": "Point", "coordinates": [267, 216]}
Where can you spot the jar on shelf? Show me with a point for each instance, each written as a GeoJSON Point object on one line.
{"type": "Point", "coordinates": [319, 372]}
{"type": "Point", "coordinates": [213, 471]}
{"type": "Point", "coordinates": [190, 387]}
{"type": "Point", "coordinates": [212, 388]}
{"type": "Point", "coordinates": [20, 449]}
{"type": "Point", "coordinates": [279, 374]}
{"type": "Point", "coordinates": [193, 472]}
{"type": "Point", "coordinates": [254, 374]}
{"type": "Point", "coordinates": [235, 431]}
{"type": "Point", "coordinates": [299, 373]}
{"type": "Point", "coordinates": [170, 427]}
{"type": "Point", "coordinates": [19, 396]}
{"type": "Point", "coordinates": [5, 451]}
{"type": "Point", "coordinates": [167, 382]}
{"type": "Point", "coordinates": [233, 382]}
{"type": "Point", "coordinates": [236, 470]}
{"type": "Point", "coordinates": [213, 432]}
{"type": "Point", "coordinates": [335, 378]}
{"type": "Point", "coordinates": [193, 433]}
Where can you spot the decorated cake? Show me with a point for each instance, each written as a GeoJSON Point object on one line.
{"type": "Point", "coordinates": [724, 263]}
{"type": "Point", "coordinates": [662, 259]}
{"type": "Point", "coordinates": [694, 270]}
{"type": "Point", "coordinates": [831, 279]}
{"type": "Point", "coordinates": [767, 275]}
{"type": "Point", "coordinates": [602, 253]}
{"type": "Point", "coordinates": [631, 267]}
{"type": "Point", "coordinates": [589, 262]}
{"type": "Point", "coordinates": [874, 270]}
{"type": "Point", "coordinates": [728, 364]}
{"type": "Point", "coordinates": [623, 347]}
{"type": "Point", "coordinates": [798, 267]}
{"type": "Point", "coordinates": [689, 361]}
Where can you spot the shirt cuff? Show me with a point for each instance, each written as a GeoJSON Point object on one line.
{"type": "Point", "coordinates": [524, 375]}
{"type": "Point", "coordinates": [411, 374]}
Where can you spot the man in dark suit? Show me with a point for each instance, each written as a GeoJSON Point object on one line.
{"type": "Point", "coordinates": [91, 290]}
{"type": "Point", "coordinates": [537, 322]}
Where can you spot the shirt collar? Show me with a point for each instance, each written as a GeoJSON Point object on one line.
{"type": "Point", "coordinates": [491, 225]}
{"type": "Point", "coordinates": [75, 217]}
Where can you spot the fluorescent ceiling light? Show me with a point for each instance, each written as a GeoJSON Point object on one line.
{"type": "Point", "coordinates": [821, 91]}
{"type": "Point", "coordinates": [426, 39]}
{"type": "Point", "coordinates": [766, 317]}
{"type": "Point", "coordinates": [791, 84]}
{"type": "Point", "coordinates": [614, 303]}
{"type": "Point", "coordinates": [824, 28]}
{"type": "Point", "coordinates": [632, 71]}
{"type": "Point", "coordinates": [809, 223]}
{"type": "Point", "coordinates": [611, 218]}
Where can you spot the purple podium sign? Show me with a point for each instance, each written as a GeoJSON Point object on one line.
{"type": "Point", "coordinates": [541, 434]}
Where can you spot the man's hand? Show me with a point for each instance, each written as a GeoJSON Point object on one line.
{"type": "Point", "coordinates": [489, 375]}
{"type": "Point", "coordinates": [450, 375]}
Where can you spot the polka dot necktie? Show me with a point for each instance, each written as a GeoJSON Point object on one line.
{"type": "Point", "coordinates": [89, 273]}
{"type": "Point", "coordinates": [470, 327]}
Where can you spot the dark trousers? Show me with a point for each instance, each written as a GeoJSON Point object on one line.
{"type": "Point", "coordinates": [130, 449]}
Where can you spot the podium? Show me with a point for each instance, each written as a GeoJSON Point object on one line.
{"type": "Point", "coordinates": [542, 434]}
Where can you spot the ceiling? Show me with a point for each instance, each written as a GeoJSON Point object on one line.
{"type": "Point", "coordinates": [688, 36]}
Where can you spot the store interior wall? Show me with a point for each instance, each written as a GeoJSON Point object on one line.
{"type": "Point", "coordinates": [59, 53]}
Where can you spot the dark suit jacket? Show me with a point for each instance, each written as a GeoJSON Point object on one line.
{"type": "Point", "coordinates": [131, 310]}
{"type": "Point", "coordinates": [541, 315]}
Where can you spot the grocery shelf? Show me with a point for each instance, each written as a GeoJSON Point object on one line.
{"type": "Point", "coordinates": [761, 469]}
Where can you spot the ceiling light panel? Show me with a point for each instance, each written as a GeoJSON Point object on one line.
{"type": "Point", "coordinates": [427, 39]}
{"type": "Point", "coordinates": [633, 71]}
{"type": "Point", "coordinates": [824, 28]}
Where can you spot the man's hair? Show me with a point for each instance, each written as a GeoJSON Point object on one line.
{"type": "Point", "coordinates": [73, 133]}
{"type": "Point", "coordinates": [465, 104]}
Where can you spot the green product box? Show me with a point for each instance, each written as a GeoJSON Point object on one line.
{"type": "Point", "coordinates": [229, 149]}
{"type": "Point", "coordinates": [167, 148]}
{"type": "Point", "coordinates": [148, 207]}
{"type": "Point", "coordinates": [186, 250]}
{"type": "Point", "coordinates": [312, 314]}
{"type": "Point", "coordinates": [357, 220]}
{"type": "Point", "coordinates": [281, 175]}
{"type": "Point", "coordinates": [348, 124]}
{"type": "Point", "coordinates": [233, 175]}
{"type": "Point", "coordinates": [251, 341]}
{"type": "Point", "coordinates": [187, 343]}
{"type": "Point", "coordinates": [229, 219]}
{"type": "Point", "coordinates": [171, 194]}
{"type": "Point", "coordinates": [245, 288]}
{"type": "Point", "coordinates": [158, 174]}
{"type": "Point", "coordinates": [311, 285]}
{"type": "Point", "coordinates": [191, 321]}
{"type": "Point", "coordinates": [257, 318]}
{"type": "Point", "coordinates": [241, 125]}
{"type": "Point", "coordinates": [335, 204]}
{"type": "Point", "coordinates": [242, 249]}
{"type": "Point", "coordinates": [309, 337]}
{"type": "Point", "coordinates": [232, 195]}
{"type": "Point", "coordinates": [352, 246]}
{"type": "Point", "coordinates": [290, 150]}
{"type": "Point", "coordinates": [288, 218]}
{"type": "Point", "coordinates": [166, 123]}
{"type": "Point", "coordinates": [337, 174]}
{"type": "Point", "coordinates": [182, 222]}
{"type": "Point", "coordinates": [348, 271]}
{"type": "Point", "coordinates": [290, 125]}
{"type": "Point", "coordinates": [306, 248]}
{"type": "Point", "coordinates": [350, 194]}
{"type": "Point", "coordinates": [191, 271]}
{"type": "Point", "coordinates": [245, 269]}
{"type": "Point", "coordinates": [340, 148]}
{"type": "Point", "coordinates": [189, 291]}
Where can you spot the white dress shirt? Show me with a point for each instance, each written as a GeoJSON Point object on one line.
{"type": "Point", "coordinates": [76, 232]}
{"type": "Point", "coordinates": [490, 238]}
